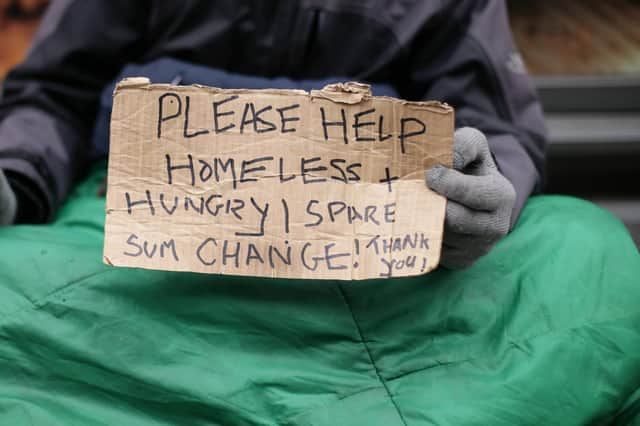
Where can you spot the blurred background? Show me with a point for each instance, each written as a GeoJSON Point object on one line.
{"type": "Point", "coordinates": [585, 58]}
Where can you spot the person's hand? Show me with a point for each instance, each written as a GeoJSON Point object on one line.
{"type": "Point", "coordinates": [479, 200]}
{"type": "Point", "coordinates": [8, 203]}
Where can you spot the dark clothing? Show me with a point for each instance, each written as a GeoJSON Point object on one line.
{"type": "Point", "coordinates": [172, 71]}
{"type": "Point", "coordinates": [457, 51]}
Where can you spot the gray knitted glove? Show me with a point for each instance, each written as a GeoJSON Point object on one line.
{"type": "Point", "coordinates": [479, 200]}
{"type": "Point", "coordinates": [8, 203]}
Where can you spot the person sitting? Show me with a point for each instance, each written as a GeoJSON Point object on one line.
{"type": "Point", "coordinates": [533, 318]}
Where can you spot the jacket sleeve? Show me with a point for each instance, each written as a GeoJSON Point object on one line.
{"type": "Point", "coordinates": [49, 102]}
{"type": "Point", "coordinates": [473, 65]}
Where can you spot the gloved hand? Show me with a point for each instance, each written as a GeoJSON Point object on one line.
{"type": "Point", "coordinates": [8, 203]}
{"type": "Point", "coordinates": [479, 200]}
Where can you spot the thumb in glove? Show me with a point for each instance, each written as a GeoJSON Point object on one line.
{"type": "Point", "coordinates": [479, 200]}
{"type": "Point", "coordinates": [8, 203]}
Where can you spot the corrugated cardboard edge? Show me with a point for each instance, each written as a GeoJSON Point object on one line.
{"type": "Point", "coordinates": [346, 93]}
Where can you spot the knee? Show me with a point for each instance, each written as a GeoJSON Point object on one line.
{"type": "Point", "coordinates": [555, 224]}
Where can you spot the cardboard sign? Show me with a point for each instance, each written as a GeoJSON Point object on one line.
{"type": "Point", "coordinates": [274, 183]}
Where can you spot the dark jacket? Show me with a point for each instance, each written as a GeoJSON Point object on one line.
{"type": "Point", "coordinates": [172, 71]}
{"type": "Point", "coordinates": [457, 51]}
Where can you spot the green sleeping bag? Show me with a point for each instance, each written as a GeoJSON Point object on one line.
{"type": "Point", "coordinates": [543, 331]}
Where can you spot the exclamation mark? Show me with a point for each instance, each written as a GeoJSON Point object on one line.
{"type": "Point", "coordinates": [356, 243]}
{"type": "Point", "coordinates": [424, 264]}
{"type": "Point", "coordinates": [285, 207]}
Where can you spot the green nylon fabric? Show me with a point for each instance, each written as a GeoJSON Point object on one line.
{"type": "Point", "coordinates": [544, 330]}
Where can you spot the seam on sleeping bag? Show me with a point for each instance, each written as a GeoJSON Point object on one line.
{"type": "Point", "coordinates": [69, 286]}
{"type": "Point", "coordinates": [371, 360]}
{"type": "Point", "coordinates": [292, 419]}
{"type": "Point", "coordinates": [513, 345]}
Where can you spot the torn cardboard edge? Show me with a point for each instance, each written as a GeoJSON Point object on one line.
{"type": "Point", "coordinates": [347, 93]}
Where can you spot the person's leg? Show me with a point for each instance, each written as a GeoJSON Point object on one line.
{"type": "Point", "coordinates": [543, 330]}
{"type": "Point", "coordinates": [85, 343]}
